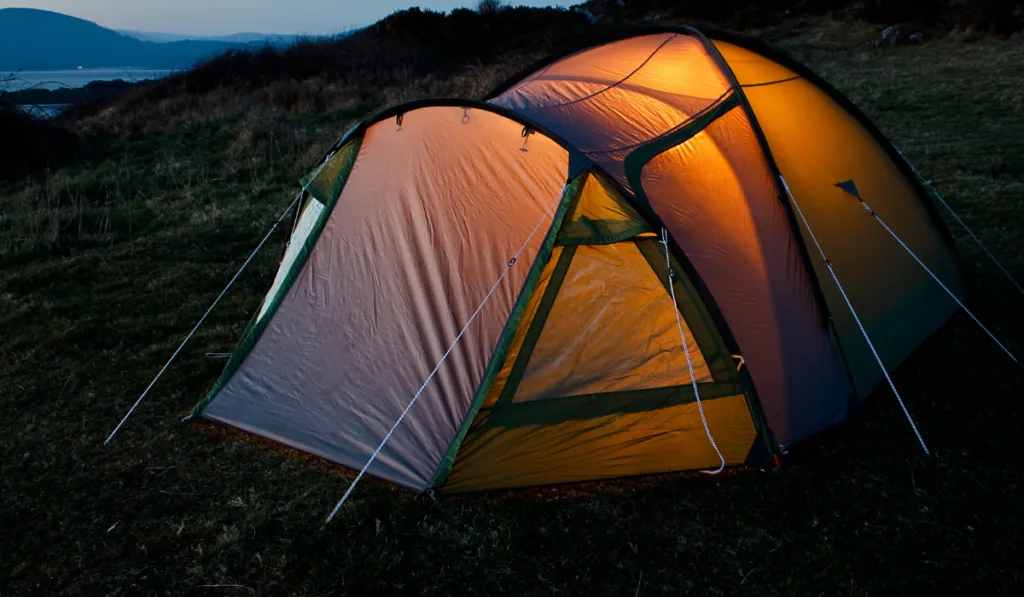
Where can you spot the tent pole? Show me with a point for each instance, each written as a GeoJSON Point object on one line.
{"type": "Point", "coordinates": [689, 361]}
{"type": "Point", "coordinates": [935, 193]}
{"type": "Point", "coordinates": [437, 367]}
{"type": "Point", "coordinates": [215, 302]}
{"type": "Point", "coordinates": [932, 274]}
{"type": "Point", "coordinates": [856, 318]}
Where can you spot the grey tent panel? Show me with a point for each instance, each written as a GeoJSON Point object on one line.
{"type": "Point", "coordinates": [427, 222]}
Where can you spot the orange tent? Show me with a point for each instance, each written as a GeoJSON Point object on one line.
{"type": "Point", "coordinates": [625, 262]}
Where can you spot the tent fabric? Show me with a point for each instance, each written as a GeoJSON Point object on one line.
{"type": "Point", "coordinates": [601, 216]}
{"type": "Point", "coordinates": [732, 225]}
{"type": "Point", "coordinates": [608, 445]}
{"type": "Point", "coordinates": [733, 229]}
{"type": "Point", "coordinates": [653, 82]}
{"type": "Point", "coordinates": [610, 329]}
{"type": "Point", "coordinates": [289, 271]}
{"type": "Point", "coordinates": [792, 113]}
{"type": "Point", "coordinates": [597, 368]}
{"type": "Point", "coordinates": [573, 368]}
{"type": "Point", "coordinates": [401, 265]}
{"type": "Point", "coordinates": [304, 229]}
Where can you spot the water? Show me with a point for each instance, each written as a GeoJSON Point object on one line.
{"type": "Point", "coordinates": [45, 110]}
{"type": "Point", "coordinates": [56, 79]}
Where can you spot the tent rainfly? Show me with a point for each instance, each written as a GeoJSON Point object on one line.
{"type": "Point", "coordinates": [664, 252]}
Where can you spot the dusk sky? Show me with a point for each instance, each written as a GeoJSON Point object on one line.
{"type": "Point", "coordinates": [218, 17]}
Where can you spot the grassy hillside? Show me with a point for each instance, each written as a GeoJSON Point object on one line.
{"type": "Point", "coordinates": [106, 262]}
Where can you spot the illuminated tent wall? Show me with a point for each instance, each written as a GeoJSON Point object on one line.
{"type": "Point", "coordinates": [573, 368]}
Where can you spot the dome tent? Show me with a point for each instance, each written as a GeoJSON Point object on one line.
{"type": "Point", "coordinates": [615, 266]}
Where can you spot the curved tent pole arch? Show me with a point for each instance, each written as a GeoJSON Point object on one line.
{"type": "Point", "coordinates": [578, 163]}
{"type": "Point", "coordinates": [760, 47]}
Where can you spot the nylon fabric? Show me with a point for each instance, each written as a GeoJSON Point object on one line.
{"type": "Point", "coordinates": [734, 230]}
{"type": "Point", "coordinates": [611, 329]}
{"type": "Point", "coordinates": [897, 301]}
{"type": "Point", "coordinates": [427, 221]}
{"type": "Point", "coordinates": [324, 186]}
{"type": "Point", "coordinates": [602, 215]}
{"type": "Point", "coordinates": [652, 84]}
{"type": "Point", "coordinates": [307, 222]}
{"type": "Point", "coordinates": [517, 340]}
{"type": "Point", "coordinates": [613, 445]}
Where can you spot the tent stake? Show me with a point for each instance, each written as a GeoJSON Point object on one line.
{"type": "Point", "coordinates": [935, 193]}
{"type": "Point", "coordinates": [856, 318]}
{"type": "Point", "coordinates": [437, 367]}
{"type": "Point", "coordinates": [932, 274]}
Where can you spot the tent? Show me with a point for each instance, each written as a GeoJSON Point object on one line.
{"type": "Point", "coordinates": [662, 252]}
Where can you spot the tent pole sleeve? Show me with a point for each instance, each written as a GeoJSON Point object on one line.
{"type": "Point", "coordinates": [856, 318]}
{"type": "Point", "coordinates": [202, 320]}
{"type": "Point", "coordinates": [935, 193]}
{"type": "Point", "coordinates": [511, 263]}
{"type": "Point", "coordinates": [934, 277]}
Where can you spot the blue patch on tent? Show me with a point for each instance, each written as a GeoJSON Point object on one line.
{"type": "Point", "coordinates": [850, 187]}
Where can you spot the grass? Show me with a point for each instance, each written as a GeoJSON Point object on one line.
{"type": "Point", "coordinates": [107, 263]}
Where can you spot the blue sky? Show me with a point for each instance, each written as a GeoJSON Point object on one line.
{"type": "Point", "coordinates": [218, 17]}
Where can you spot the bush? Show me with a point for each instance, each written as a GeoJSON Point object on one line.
{"type": "Point", "coordinates": [30, 144]}
{"type": "Point", "coordinates": [490, 6]}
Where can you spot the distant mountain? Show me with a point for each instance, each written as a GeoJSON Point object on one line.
{"type": "Point", "coordinates": [42, 40]}
{"type": "Point", "coordinates": [236, 38]}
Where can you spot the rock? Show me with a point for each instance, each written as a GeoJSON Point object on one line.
{"type": "Point", "coordinates": [890, 37]}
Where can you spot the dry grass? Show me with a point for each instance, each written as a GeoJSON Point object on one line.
{"type": "Point", "coordinates": [105, 265]}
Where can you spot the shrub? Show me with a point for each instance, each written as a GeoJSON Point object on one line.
{"type": "Point", "coordinates": [31, 144]}
{"type": "Point", "coordinates": [490, 6]}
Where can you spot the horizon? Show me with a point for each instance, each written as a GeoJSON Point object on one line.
{"type": "Point", "coordinates": [230, 17]}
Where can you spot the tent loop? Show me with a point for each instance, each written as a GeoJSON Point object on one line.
{"type": "Point", "coordinates": [444, 357]}
{"type": "Point", "coordinates": [527, 131]}
{"type": "Point", "coordinates": [689, 360]}
{"type": "Point", "coordinates": [851, 189]}
{"type": "Point", "coordinates": [202, 320]}
{"type": "Point", "coordinates": [856, 318]}
{"type": "Point", "coordinates": [935, 193]}
{"type": "Point", "coordinates": [399, 118]}
{"type": "Point", "coordinates": [465, 116]}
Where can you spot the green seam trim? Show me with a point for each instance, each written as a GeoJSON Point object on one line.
{"type": "Point", "coordinates": [552, 411]}
{"type": "Point", "coordinates": [702, 326]}
{"type": "Point", "coordinates": [598, 239]}
{"type": "Point", "coordinates": [256, 326]}
{"type": "Point", "coordinates": [537, 324]}
{"type": "Point", "coordinates": [764, 432]}
{"type": "Point", "coordinates": [635, 162]}
{"type": "Point", "coordinates": [569, 197]}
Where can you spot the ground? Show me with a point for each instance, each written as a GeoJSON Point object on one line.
{"type": "Point", "coordinates": [105, 265]}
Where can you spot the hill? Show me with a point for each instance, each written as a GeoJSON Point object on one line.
{"type": "Point", "coordinates": [234, 38]}
{"type": "Point", "coordinates": [42, 40]}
